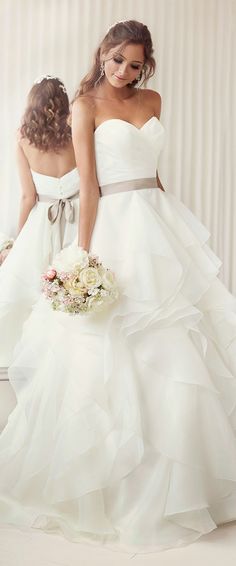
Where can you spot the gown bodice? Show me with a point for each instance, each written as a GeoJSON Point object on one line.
{"type": "Point", "coordinates": [56, 187]}
{"type": "Point", "coordinates": [125, 152]}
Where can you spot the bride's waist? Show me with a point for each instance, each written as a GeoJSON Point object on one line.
{"type": "Point", "coordinates": [129, 185]}
{"type": "Point", "coordinates": [56, 195]}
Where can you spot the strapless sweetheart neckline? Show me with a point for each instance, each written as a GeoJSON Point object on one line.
{"type": "Point", "coordinates": [128, 123]}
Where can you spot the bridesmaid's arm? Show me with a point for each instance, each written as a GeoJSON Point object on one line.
{"type": "Point", "coordinates": [28, 192]}
{"type": "Point", "coordinates": [83, 141]}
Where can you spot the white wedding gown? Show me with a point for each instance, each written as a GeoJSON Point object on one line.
{"type": "Point", "coordinates": [124, 431]}
{"type": "Point", "coordinates": [38, 241]}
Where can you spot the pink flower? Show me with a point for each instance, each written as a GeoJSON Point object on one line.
{"type": "Point", "coordinates": [50, 275]}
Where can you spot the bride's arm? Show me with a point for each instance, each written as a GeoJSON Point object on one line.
{"type": "Point", "coordinates": [157, 110]}
{"type": "Point", "coordinates": [154, 99]}
{"type": "Point", "coordinates": [83, 141]}
{"type": "Point", "coordinates": [159, 183]}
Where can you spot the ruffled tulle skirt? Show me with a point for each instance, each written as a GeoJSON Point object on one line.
{"type": "Point", "coordinates": [124, 430]}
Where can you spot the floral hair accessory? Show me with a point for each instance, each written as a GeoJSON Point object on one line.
{"type": "Point", "coordinates": [48, 77]}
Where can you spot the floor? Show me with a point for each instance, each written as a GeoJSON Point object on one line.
{"type": "Point", "coordinates": [34, 548]}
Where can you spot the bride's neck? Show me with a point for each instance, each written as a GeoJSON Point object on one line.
{"type": "Point", "coordinates": [110, 92]}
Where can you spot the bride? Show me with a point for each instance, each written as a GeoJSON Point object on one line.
{"type": "Point", "coordinates": [124, 430]}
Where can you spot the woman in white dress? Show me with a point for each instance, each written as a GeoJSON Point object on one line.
{"type": "Point", "coordinates": [48, 220]}
{"type": "Point", "coordinates": [124, 431]}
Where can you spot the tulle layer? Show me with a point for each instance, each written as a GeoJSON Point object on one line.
{"type": "Point", "coordinates": [124, 431]}
{"type": "Point", "coordinates": [20, 274]}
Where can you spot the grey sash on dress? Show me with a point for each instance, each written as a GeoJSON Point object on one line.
{"type": "Point", "coordinates": [60, 211]}
{"type": "Point", "coordinates": [131, 185]}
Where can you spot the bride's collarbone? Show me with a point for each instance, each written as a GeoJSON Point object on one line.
{"type": "Point", "coordinates": [106, 110]}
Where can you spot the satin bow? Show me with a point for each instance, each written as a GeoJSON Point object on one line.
{"type": "Point", "coordinates": [58, 207]}
{"type": "Point", "coordinates": [60, 211]}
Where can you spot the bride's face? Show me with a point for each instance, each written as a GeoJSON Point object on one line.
{"type": "Point", "coordinates": [123, 64]}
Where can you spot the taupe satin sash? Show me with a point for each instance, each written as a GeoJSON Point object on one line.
{"type": "Point", "coordinates": [131, 185]}
{"type": "Point", "coordinates": [60, 211]}
{"type": "Point", "coordinates": [59, 206]}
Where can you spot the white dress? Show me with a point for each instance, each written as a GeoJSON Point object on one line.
{"type": "Point", "coordinates": [124, 431]}
{"type": "Point", "coordinates": [38, 241]}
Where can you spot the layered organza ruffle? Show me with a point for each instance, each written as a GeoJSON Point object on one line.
{"type": "Point", "coordinates": [124, 430]}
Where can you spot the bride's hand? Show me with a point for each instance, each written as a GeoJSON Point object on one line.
{"type": "Point", "coordinates": [3, 255]}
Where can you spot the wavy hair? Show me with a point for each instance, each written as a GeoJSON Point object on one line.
{"type": "Point", "coordinates": [45, 121]}
{"type": "Point", "coordinates": [122, 34]}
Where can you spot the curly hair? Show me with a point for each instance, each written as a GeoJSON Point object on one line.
{"type": "Point", "coordinates": [45, 121]}
{"type": "Point", "coordinates": [122, 34]}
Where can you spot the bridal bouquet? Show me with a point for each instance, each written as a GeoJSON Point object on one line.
{"type": "Point", "coordinates": [78, 283]}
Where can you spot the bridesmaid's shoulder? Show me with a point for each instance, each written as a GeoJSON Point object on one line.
{"type": "Point", "coordinates": [153, 98]}
{"type": "Point", "coordinates": [21, 141]}
{"type": "Point", "coordinates": [19, 138]}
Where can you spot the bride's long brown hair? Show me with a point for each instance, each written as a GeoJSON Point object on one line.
{"type": "Point", "coordinates": [121, 33]}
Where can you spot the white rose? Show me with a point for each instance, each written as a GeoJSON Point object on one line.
{"type": "Point", "coordinates": [70, 257]}
{"type": "Point", "coordinates": [101, 270]}
{"type": "Point", "coordinates": [75, 287]}
{"type": "Point", "coordinates": [108, 280]}
{"type": "Point", "coordinates": [90, 277]}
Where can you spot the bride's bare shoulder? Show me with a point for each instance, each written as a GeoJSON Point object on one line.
{"type": "Point", "coordinates": [152, 99]}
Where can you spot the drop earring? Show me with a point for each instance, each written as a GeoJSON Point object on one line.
{"type": "Point", "coordinates": [102, 73]}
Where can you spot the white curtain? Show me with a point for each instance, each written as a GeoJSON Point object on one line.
{"type": "Point", "coordinates": [195, 50]}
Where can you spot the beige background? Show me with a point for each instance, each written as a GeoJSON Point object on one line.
{"type": "Point", "coordinates": [194, 44]}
